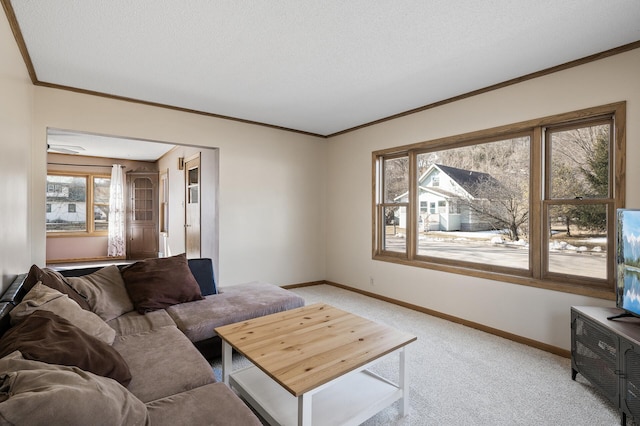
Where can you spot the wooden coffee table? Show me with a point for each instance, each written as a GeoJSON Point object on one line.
{"type": "Point", "coordinates": [310, 366]}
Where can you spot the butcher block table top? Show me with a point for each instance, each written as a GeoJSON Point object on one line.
{"type": "Point", "coordinates": [307, 347]}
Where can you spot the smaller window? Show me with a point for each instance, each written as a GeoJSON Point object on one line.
{"type": "Point", "coordinates": [76, 203]}
{"type": "Point", "coordinates": [101, 187]}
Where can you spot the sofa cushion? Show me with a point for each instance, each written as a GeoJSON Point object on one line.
{"type": "Point", "coordinates": [44, 336]}
{"type": "Point", "coordinates": [241, 302]}
{"type": "Point", "coordinates": [55, 280]}
{"type": "Point", "coordinates": [159, 283]}
{"type": "Point", "coordinates": [38, 393]}
{"type": "Point", "coordinates": [134, 322]}
{"type": "Point", "coordinates": [41, 297]}
{"type": "Point", "coordinates": [105, 292]}
{"type": "Point", "coordinates": [214, 404]}
{"type": "Point", "coordinates": [163, 362]}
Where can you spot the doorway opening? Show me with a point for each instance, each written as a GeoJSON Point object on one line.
{"type": "Point", "coordinates": [157, 188]}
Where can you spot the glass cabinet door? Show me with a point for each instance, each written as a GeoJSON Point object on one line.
{"type": "Point", "coordinates": [142, 199]}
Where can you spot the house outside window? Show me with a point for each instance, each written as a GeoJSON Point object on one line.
{"type": "Point", "coordinates": [76, 204]}
{"type": "Point", "coordinates": [531, 203]}
{"type": "Point", "coordinates": [101, 188]}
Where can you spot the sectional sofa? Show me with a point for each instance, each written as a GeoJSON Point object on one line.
{"type": "Point", "coordinates": [123, 345]}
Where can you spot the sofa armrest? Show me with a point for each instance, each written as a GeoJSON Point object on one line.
{"type": "Point", "coordinates": [16, 291]}
{"type": "Point", "coordinates": [202, 270]}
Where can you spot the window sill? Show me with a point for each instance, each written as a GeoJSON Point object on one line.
{"type": "Point", "coordinates": [582, 290]}
{"type": "Point", "coordinates": [76, 234]}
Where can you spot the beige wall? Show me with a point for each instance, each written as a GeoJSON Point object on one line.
{"type": "Point", "coordinates": [271, 189]}
{"type": "Point", "coordinates": [537, 314]}
{"type": "Point", "coordinates": [16, 107]}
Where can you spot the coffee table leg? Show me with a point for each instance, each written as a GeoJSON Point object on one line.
{"type": "Point", "coordinates": [304, 410]}
{"type": "Point", "coordinates": [226, 362]}
{"type": "Point", "coordinates": [404, 385]}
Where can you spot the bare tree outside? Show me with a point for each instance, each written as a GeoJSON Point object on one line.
{"type": "Point", "coordinates": [395, 185]}
{"type": "Point", "coordinates": [580, 161]}
{"type": "Point", "coordinates": [503, 204]}
{"type": "Point", "coordinates": [396, 178]}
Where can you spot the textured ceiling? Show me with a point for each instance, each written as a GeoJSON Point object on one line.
{"type": "Point", "coordinates": [314, 66]}
{"type": "Point", "coordinates": [92, 145]}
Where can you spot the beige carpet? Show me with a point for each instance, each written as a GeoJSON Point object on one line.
{"type": "Point", "coordinates": [462, 376]}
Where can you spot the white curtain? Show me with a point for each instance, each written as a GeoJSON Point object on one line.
{"type": "Point", "coordinates": [117, 230]}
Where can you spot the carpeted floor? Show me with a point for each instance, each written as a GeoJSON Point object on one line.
{"type": "Point", "coordinates": [462, 376]}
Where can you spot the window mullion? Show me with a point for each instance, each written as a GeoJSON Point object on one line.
{"type": "Point", "coordinates": [412, 214]}
{"type": "Point", "coordinates": [618, 150]}
{"type": "Point", "coordinates": [537, 240]}
{"type": "Point", "coordinates": [89, 204]}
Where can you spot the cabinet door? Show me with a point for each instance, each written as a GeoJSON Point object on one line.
{"type": "Point", "coordinates": [142, 232]}
{"type": "Point", "coordinates": [143, 241]}
{"type": "Point", "coordinates": [143, 199]}
{"type": "Point", "coordinates": [630, 378]}
{"type": "Point", "coordinates": [594, 355]}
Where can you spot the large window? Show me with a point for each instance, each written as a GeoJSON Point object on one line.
{"type": "Point", "coordinates": [77, 204]}
{"type": "Point", "coordinates": [531, 203]}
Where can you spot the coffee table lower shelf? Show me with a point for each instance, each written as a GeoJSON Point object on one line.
{"type": "Point", "coordinates": [348, 400]}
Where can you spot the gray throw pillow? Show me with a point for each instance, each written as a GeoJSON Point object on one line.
{"type": "Point", "coordinates": [105, 292]}
{"type": "Point", "coordinates": [38, 393]}
{"type": "Point", "coordinates": [55, 280]}
{"type": "Point", "coordinates": [41, 297]}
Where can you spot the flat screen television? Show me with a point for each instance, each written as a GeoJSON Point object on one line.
{"type": "Point", "coordinates": [628, 261]}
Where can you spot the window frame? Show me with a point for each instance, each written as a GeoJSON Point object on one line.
{"type": "Point", "coordinates": [538, 274]}
{"type": "Point", "coordinates": [89, 210]}
{"type": "Point", "coordinates": [382, 205]}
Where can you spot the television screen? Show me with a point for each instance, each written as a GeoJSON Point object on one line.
{"type": "Point", "coordinates": [628, 264]}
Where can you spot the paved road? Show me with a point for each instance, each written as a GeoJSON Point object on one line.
{"type": "Point", "coordinates": [589, 264]}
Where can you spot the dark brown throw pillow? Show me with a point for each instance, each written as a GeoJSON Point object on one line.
{"type": "Point", "coordinates": [46, 337]}
{"type": "Point", "coordinates": [155, 284]}
{"type": "Point", "coordinates": [56, 281]}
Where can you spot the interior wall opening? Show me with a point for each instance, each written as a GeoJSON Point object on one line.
{"type": "Point", "coordinates": [155, 193]}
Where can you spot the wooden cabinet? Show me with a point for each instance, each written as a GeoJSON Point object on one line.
{"type": "Point", "coordinates": [142, 215]}
{"type": "Point", "coordinates": [607, 353]}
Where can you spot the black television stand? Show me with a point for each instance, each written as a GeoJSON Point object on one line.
{"type": "Point", "coordinates": [607, 353]}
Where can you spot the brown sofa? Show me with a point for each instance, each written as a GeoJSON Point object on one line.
{"type": "Point", "coordinates": [162, 342]}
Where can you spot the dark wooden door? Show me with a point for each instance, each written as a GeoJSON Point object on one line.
{"type": "Point", "coordinates": [142, 229]}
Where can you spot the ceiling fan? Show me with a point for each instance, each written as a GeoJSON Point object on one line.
{"type": "Point", "coordinates": [64, 149]}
